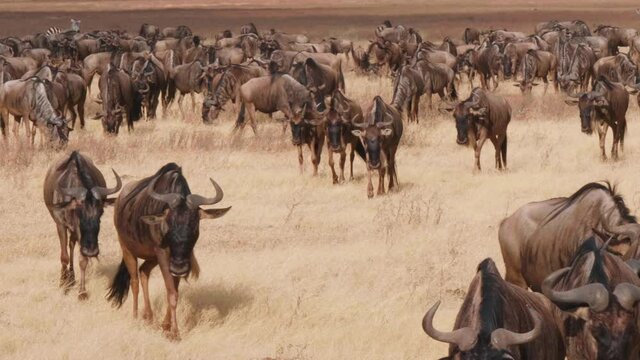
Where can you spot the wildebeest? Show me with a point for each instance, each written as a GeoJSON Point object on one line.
{"type": "Point", "coordinates": [605, 106]}
{"type": "Point", "coordinates": [542, 237]}
{"type": "Point", "coordinates": [483, 116]}
{"type": "Point", "coordinates": [598, 293]}
{"type": "Point", "coordinates": [340, 46]}
{"type": "Point", "coordinates": [500, 321]}
{"type": "Point", "coordinates": [188, 79]}
{"type": "Point", "coordinates": [228, 88]}
{"type": "Point", "coordinates": [616, 36]}
{"type": "Point", "coordinates": [471, 36]}
{"type": "Point", "coordinates": [537, 64]}
{"type": "Point", "coordinates": [177, 32]}
{"type": "Point", "coordinates": [321, 79]}
{"type": "Point", "coordinates": [386, 53]}
{"type": "Point", "coordinates": [149, 81]}
{"type": "Point", "coordinates": [76, 94]}
{"type": "Point", "coordinates": [408, 87]}
{"type": "Point", "coordinates": [29, 101]}
{"type": "Point", "coordinates": [339, 123]}
{"type": "Point", "coordinates": [118, 99]}
{"type": "Point", "coordinates": [271, 93]}
{"type": "Point", "coordinates": [149, 32]}
{"type": "Point", "coordinates": [158, 220]}
{"type": "Point", "coordinates": [617, 68]}
{"type": "Point", "coordinates": [578, 70]}
{"type": "Point", "coordinates": [75, 194]}
{"type": "Point", "coordinates": [466, 64]}
{"type": "Point", "coordinates": [489, 65]}
{"type": "Point", "coordinates": [438, 79]}
{"type": "Point", "coordinates": [513, 54]}
{"type": "Point", "coordinates": [380, 135]}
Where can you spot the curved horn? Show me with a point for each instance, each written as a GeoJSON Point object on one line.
{"type": "Point", "coordinates": [384, 124]}
{"type": "Point", "coordinates": [595, 295]}
{"type": "Point", "coordinates": [195, 201]}
{"type": "Point", "coordinates": [465, 338]}
{"type": "Point", "coordinates": [146, 89]}
{"type": "Point", "coordinates": [503, 338]}
{"type": "Point", "coordinates": [627, 295]}
{"type": "Point", "coordinates": [172, 199]}
{"type": "Point", "coordinates": [100, 192]}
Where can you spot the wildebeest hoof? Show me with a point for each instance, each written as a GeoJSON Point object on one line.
{"type": "Point", "coordinates": [147, 317]}
{"type": "Point", "coordinates": [166, 327]}
{"type": "Point", "coordinates": [83, 296]}
{"type": "Point", "coordinates": [172, 335]}
{"type": "Point", "coordinates": [335, 180]}
{"type": "Point", "coordinates": [370, 194]}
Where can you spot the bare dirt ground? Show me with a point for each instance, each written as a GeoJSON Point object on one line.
{"type": "Point", "coordinates": [299, 268]}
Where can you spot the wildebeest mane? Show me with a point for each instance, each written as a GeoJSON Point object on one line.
{"type": "Point", "coordinates": [82, 169]}
{"type": "Point", "coordinates": [597, 273]}
{"type": "Point", "coordinates": [606, 186]}
{"type": "Point", "coordinates": [492, 303]}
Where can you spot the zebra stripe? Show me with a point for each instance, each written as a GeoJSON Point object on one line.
{"type": "Point", "coordinates": [53, 31]}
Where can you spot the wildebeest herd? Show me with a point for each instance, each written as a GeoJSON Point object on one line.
{"type": "Point", "coordinates": [578, 255]}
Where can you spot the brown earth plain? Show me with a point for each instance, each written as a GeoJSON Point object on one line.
{"type": "Point", "coordinates": [299, 268]}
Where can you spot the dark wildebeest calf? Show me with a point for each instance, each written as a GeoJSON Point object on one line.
{"type": "Point", "coordinates": [158, 220]}
{"type": "Point", "coordinates": [499, 321]}
{"type": "Point", "coordinates": [75, 193]}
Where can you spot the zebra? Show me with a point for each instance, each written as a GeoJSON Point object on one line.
{"type": "Point", "coordinates": [54, 30]}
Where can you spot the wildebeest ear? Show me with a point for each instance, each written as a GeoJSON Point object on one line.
{"type": "Point", "coordinates": [357, 133]}
{"type": "Point", "coordinates": [109, 201]}
{"type": "Point", "coordinates": [571, 101]}
{"type": "Point", "coordinates": [213, 213]}
{"type": "Point", "coordinates": [386, 132]}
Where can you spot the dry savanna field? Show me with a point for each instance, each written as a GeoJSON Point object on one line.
{"type": "Point", "coordinates": [299, 268]}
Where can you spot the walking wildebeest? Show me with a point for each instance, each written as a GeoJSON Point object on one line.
{"type": "Point", "coordinates": [489, 65]}
{"type": "Point", "coordinates": [119, 98]}
{"type": "Point", "coordinates": [542, 237]}
{"type": "Point", "coordinates": [537, 64]}
{"type": "Point", "coordinates": [500, 321]}
{"type": "Point", "coordinates": [483, 116]}
{"type": "Point", "coordinates": [380, 135]}
{"type": "Point", "coordinates": [408, 87]}
{"type": "Point", "coordinates": [606, 106]}
{"type": "Point", "coordinates": [158, 220]}
{"type": "Point", "coordinates": [598, 293]}
{"type": "Point", "coordinates": [75, 193]}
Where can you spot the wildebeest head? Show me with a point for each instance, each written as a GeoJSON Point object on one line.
{"type": "Point", "coordinates": [180, 222]}
{"type": "Point", "coordinates": [601, 321]}
{"type": "Point", "coordinates": [372, 132]}
{"type": "Point", "coordinates": [466, 114]}
{"type": "Point", "coordinates": [88, 206]}
{"type": "Point", "coordinates": [476, 346]}
{"type": "Point", "coordinates": [299, 128]}
{"type": "Point", "coordinates": [588, 104]}
{"type": "Point", "coordinates": [111, 118]}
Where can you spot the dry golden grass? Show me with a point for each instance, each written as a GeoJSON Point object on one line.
{"type": "Point", "coordinates": [299, 268]}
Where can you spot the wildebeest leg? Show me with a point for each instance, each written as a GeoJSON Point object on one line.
{"type": "Point", "coordinates": [71, 278]}
{"type": "Point", "coordinates": [352, 156]}
{"type": "Point", "coordinates": [316, 153]}
{"type": "Point", "coordinates": [546, 84]}
{"type": "Point", "coordinates": [343, 160]}
{"type": "Point", "coordinates": [614, 146]}
{"type": "Point", "coordinates": [602, 134]}
{"type": "Point", "coordinates": [193, 102]}
{"type": "Point", "coordinates": [251, 111]}
{"type": "Point", "coordinates": [429, 95]}
{"type": "Point", "coordinates": [370, 184]}
{"type": "Point", "coordinates": [382, 171]}
{"type": "Point", "coordinates": [73, 116]}
{"type": "Point", "coordinates": [180, 98]}
{"type": "Point", "coordinates": [82, 294]}
{"type": "Point", "coordinates": [170, 323]}
{"type": "Point", "coordinates": [332, 164]}
{"type": "Point", "coordinates": [477, 145]}
{"type": "Point", "coordinates": [393, 177]}
{"type": "Point", "coordinates": [494, 141]}
{"type": "Point", "coordinates": [145, 271]}
{"type": "Point", "coordinates": [483, 81]}
{"type": "Point", "coordinates": [131, 262]}
{"type": "Point", "coordinates": [416, 107]}
{"type": "Point", "coordinates": [33, 134]}
{"type": "Point", "coordinates": [64, 255]}
{"type": "Point", "coordinates": [300, 159]}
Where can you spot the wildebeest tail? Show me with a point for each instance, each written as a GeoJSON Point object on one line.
{"type": "Point", "coordinates": [240, 119]}
{"type": "Point", "coordinates": [171, 91]}
{"type": "Point", "coordinates": [454, 92]}
{"type": "Point", "coordinates": [120, 286]}
{"type": "Point", "coordinates": [503, 151]}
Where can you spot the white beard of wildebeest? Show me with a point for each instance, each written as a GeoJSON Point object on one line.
{"type": "Point", "coordinates": [183, 233]}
